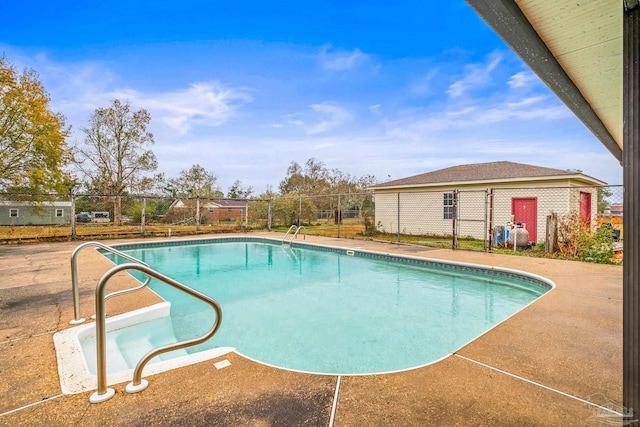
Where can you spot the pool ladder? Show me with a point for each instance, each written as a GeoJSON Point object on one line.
{"type": "Point", "coordinates": [137, 384]}
{"type": "Point", "coordinates": [295, 234]}
{"type": "Point", "coordinates": [75, 287]}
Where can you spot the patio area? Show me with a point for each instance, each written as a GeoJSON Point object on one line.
{"type": "Point", "coordinates": [558, 362]}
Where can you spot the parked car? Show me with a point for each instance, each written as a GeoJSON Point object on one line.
{"type": "Point", "coordinates": [83, 217]}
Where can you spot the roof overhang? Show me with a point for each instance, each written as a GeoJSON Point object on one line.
{"type": "Point", "coordinates": [575, 47]}
{"type": "Point", "coordinates": [43, 203]}
{"type": "Point", "coordinates": [559, 181]}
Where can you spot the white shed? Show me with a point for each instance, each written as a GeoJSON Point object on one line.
{"type": "Point", "coordinates": [424, 204]}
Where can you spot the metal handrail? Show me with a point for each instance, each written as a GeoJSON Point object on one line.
{"type": "Point", "coordinates": [293, 227]}
{"type": "Point", "coordinates": [138, 384]}
{"type": "Point", "coordinates": [74, 277]}
{"type": "Point", "coordinates": [295, 234]}
{"type": "Point", "coordinates": [126, 291]}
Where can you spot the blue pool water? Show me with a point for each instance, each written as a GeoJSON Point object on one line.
{"type": "Point", "coordinates": [327, 311]}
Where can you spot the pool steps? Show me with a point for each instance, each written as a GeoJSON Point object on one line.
{"type": "Point", "coordinates": [75, 359]}
{"type": "Point", "coordinates": [104, 393]}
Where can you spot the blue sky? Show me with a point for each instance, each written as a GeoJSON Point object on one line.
{"type": "Point", "coordinates": [243, 88]}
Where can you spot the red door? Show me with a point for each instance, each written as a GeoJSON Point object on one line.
{"type": "Point", "coordinates": [525, 210]}
{"type": "Point", "coordinates": [585, 208]}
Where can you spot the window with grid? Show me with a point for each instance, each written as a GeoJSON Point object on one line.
{"type": "Point", "coordinates": [13, 213]}
{"type": "Point", "coordinates": [447, 206]}
{"type": "Point", "coordinates": [59, 213]}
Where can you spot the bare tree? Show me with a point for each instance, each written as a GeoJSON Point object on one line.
{"type": "Point", "coordinates": [363, 195]}
{"type": "Point", "coordinates": [310, 179]}
{"type": "Point", "coordinates": [114, 156]}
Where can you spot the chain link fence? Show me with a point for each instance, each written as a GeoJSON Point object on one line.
{"type": "Point", "coordinates": [492, 219]}
{"type": "Point", "coordinates": [503, 218]}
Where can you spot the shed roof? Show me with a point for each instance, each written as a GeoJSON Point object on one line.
{"type": "Point", "coordinates": [212, 203]}
{"type": "Point", "coordinates": [227, 203]}
{"type": "Point", "coordinates": [489, 172]}
{"type": "Point", "coordinates": [19, 203]}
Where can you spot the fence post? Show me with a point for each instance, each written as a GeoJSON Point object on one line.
{"type": "Point", "coordinates": [491, 236]}
{"type": "Point", "coordinates": [246, 215]}
{"type": "Point", "coordinates": [270, 215]}
{"type": "Point", "coordinates": [198, 213]}
{"type": "Point", "coordinates": [300, 212]}
{"type": "Point", "coordinates": [73, 217]}
{"type": "Point", "coordinates": [398, 217]}
{"type": "Point", "coordinates": [339, 216]}
{"type": "Point", "coordinates": [142, 215]}
{"type": "Point", "coordinates": [551, 237]}
{"type": "Point", "coordinates": [454, 236]}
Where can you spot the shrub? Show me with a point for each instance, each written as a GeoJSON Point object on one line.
{"type": "Point", "coordinates": [369, 226]}
{"type": "Point", "coordinates": [576, 240]}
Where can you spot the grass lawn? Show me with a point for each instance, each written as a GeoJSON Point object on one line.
{"type": "Point", "coordinates": [351, 229]}
{"type": "Point", "coordinates": [9, 234]}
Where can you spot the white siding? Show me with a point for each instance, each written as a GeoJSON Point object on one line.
{"type": "Point", "coordinates": [548, 200]}
{"type": "Point", "coordinates": [421, 212]}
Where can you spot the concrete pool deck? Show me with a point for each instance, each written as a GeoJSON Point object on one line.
{"type": "Point", "coordinates": [551, 364]}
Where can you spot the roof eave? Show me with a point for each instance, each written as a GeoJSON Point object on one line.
{"type": "Point", "coordinates": [574, 177]}
{"type": "Point", "coordinates": [508, 21]}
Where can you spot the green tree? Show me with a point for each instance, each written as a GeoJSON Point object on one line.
{"type": "Point", "coordinates": [236, 191]}
{"type": "Point", "coordinates": [603, 198]}
{"type": "Point", "coordinates": [195, 182]}
{"type": "Point", "coordinates": [286, 211]}
{"type": "Point", "coordinates": [115, 157]}
{"type": "Point", "coordinates": [33, 150]}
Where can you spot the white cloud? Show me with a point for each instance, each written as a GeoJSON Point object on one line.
{"type": "Point", "coordinates": [201, 104]}
{"type": "Point", "coordinates": [476, 75]}
{"type": "Point", "coordinates": [340, 60]}
{"type": "Point", "coordinates": [329, 116]}
{"type": "Point", "coordinates": [375, 109]}
{"type": "Point", "coordinates": [523, 79]}
{"type": "Point", "coordinates": [509, 115]}
{"type": "Point", "coordinates": [424, 85]}
{"type": "Point", "coordinates": [521, 111]}
{"type": "Point", "coordinates": [77, 89]}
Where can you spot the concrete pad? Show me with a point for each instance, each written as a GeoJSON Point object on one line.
{"type": "Point", "coordinates": [36, 293]}
{"type": "Point", "coordinates": [570, 352]}
{"type": "Point", "coordinates": [454, 392]}
{"type": "Point", "coordinates": [569, 340]}
{"type": "Point", "coordinates": [243, 394]}
{"type": "Point", "coordinates": [28, 372]}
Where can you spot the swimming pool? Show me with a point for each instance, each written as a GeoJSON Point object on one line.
{"type": "Point", "coordinates": [329, 310]}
